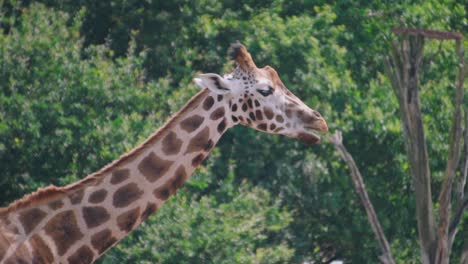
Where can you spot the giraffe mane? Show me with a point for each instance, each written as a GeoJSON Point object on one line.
{"type": "Point", "coordinates": [51, 193]}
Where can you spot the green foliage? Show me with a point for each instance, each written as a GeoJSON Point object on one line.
{"type": "Point", "coordinates": [63, 106]}
{"type": "Point", "coordinates": [83, 81]}
{"type": "Point", "coordinates": [242, 230]}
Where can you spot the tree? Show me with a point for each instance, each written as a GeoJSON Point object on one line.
{"type": "Point", "coordinates": [403, 67]}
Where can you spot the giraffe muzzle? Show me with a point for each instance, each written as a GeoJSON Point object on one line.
{"type": "Point", "coordinates": [309, 135]}
{"type": "Point", "coordinates": [319, 125]}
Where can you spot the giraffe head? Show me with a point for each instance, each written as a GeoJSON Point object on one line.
{"type": "Point", "coordinates": [258, 98]}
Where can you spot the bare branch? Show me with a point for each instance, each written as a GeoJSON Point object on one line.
{"type": "Point", "coordinates": [464, 170]}
{"type": "Point", "coordinates": [457, 218]}
{"type": "Point", "coordinates": [406, 60]}
{"type": "Point", "coordinates": [460, 199]}
{"type": "Point", "coordinates": [359, 186]}
{"type": "Point", "coordinates": [429, 60]}
{"type": "Point", "coordinates": [431, 34]}
{"type": "Point", "coordinates": [452, 164]}
{"type": "Point", "coordinates": [464, 255]}
{"type": "Point", "coordinates": [460, 203]}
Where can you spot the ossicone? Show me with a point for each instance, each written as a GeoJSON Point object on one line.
{"type": "Point", "coordinates": [239, 54]}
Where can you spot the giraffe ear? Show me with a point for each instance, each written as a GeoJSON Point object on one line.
{"type": "Point", "coordinates": [214, 82]}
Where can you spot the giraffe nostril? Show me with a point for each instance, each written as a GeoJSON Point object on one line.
{"type": "Point", "coordinates": [316, 113]}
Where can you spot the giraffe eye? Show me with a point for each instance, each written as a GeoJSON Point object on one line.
{"type": "Point", "coordinates": [266, 92]}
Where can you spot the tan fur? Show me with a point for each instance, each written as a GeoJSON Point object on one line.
{"type": "Point", "coordinates": [52, 193]}
{"type": "Point", "coordinates": [240, 54]}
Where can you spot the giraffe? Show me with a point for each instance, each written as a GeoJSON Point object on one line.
{"type": "Point", "coordinates": [77, 223]}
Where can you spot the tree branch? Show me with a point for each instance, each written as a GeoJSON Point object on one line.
{"type": "Point", "coordinates": [464, 254]}
{"type": "Point", "coordinates": [460, 202]}
{"type": "Point", "coordinates": [431, 34]}
{"type": "Point", "coordinates": [457, 218]}
{"type": "Point", "coordinates": [359, 186]}
{"type": "Point", "coordinates": [461, 197]}
{"type": "Point", "coordinates": [429, 60]}
{"type": "Point", "coordinates": [405, 61]}
{"type": "Point", "coordinates": [452, 164]}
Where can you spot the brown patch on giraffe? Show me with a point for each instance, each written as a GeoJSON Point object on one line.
{"type": "Point", "coordinates": [272, 127]}
{"type": "Point", "coordinates": [221, 126]}
{"type": "Point", "coordinates": [20, 256]}
{"type": "Point", "coordinates": [259, 115]}
{"type": "Point", "coordinates": [268, 113]}
{"type": "Point", "coordinates": [257, 104]}
{"type": "Point", "coordinates": [288, 113]}
{"type": "Point", "coordinates": [180, 176]}
{"type": "Point", "coordinates": [198, 142]}
{"type": "Point", "coordinates": [234, 119]}
{"type": "Point", "coordinates": [126, 195]}
{"type": "Point", "coordinates": [84, 255]}
{"type": "Point", "coordinates": [31, 218]}
{"type": "Point", "coordinates": [307, 118]}
{"type": "Point", "coordinates": [127, 220]}
{"type": "Point", "coordinates": [119, 176]}
{"type": "Point", "coordinates": [11, 229]}
{"type": "Point", "coordinates": [220, 97]}
{"type": "Point", "coordinates": [244, 107]}
{"type": "Point", "coordinates": [41, 253]}
{"type": "Point", "coordinates": [234, 108]}
{"type": "Point", "coordinates": [170, 187]}
{"type": "Point", "coordinates": [98, 196]}
{"type": "Point", "coordinates": [4, 245]}
{"type": "Point", "coordinates": [149, 210]}
{"type": "Point", "coordinates": [198, 160]}
{"type": "Point", "coordinates": [95, 216]}
{"type": "Point", "coordinates": [5, 220]}
{"type": "Point", "coordinates": [162, 193]}
{"type": "Point", "coordinates": [252, 116]}
{"type": "Point", "coordinates": [64, 231]}
{"type": "Point", "coordinates": [102, 240]}
{"type": "Point", "coordinates": [209, 145]}
{"type": "Point", "coordinates": [279, 119]}
{"type": "Point", "coordinates": [171, 143]}
{"type": "Point", "coordinates": [16, 260]}
{"type": "Point", "coordinates": [153, 167]}
{"type": "Point", "coordinates": [262, 126]}
{"type": "Point", "coordinates": [208, 103]}
{"type": "Point", "coordinates": [278, 129]}
{"type": "Point", "coordinates": [218, 113]}
{"type": "Point", "coordinates": [76, 196]}
{"type": "Point", "coordinates": [56, 204]}
{"type": "Point", "coordinates": [191, 124]}
{"type": "Point", "coordinates": [249, 102]}
{"type": "Point", "coordinates": [14, 230]}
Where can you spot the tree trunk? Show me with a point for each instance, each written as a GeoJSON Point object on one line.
{"type": "Point", "coordinates": [403, 70]}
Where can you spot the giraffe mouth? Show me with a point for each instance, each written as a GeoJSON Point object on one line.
{"type": "Point", "coordinates": [309, 136]}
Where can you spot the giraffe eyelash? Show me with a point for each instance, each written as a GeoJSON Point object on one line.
{"type": "Point", "coordinates": [266, 92]}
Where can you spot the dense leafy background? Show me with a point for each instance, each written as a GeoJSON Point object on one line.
{"type": "Point", "coordinates": [83, 81]}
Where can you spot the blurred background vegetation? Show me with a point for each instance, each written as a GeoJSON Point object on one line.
{"type": "Point", "coordinates": [81, 82]}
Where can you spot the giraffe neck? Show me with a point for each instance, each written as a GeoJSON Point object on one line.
{"type": "Point", "coordinates": [81, 221]}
